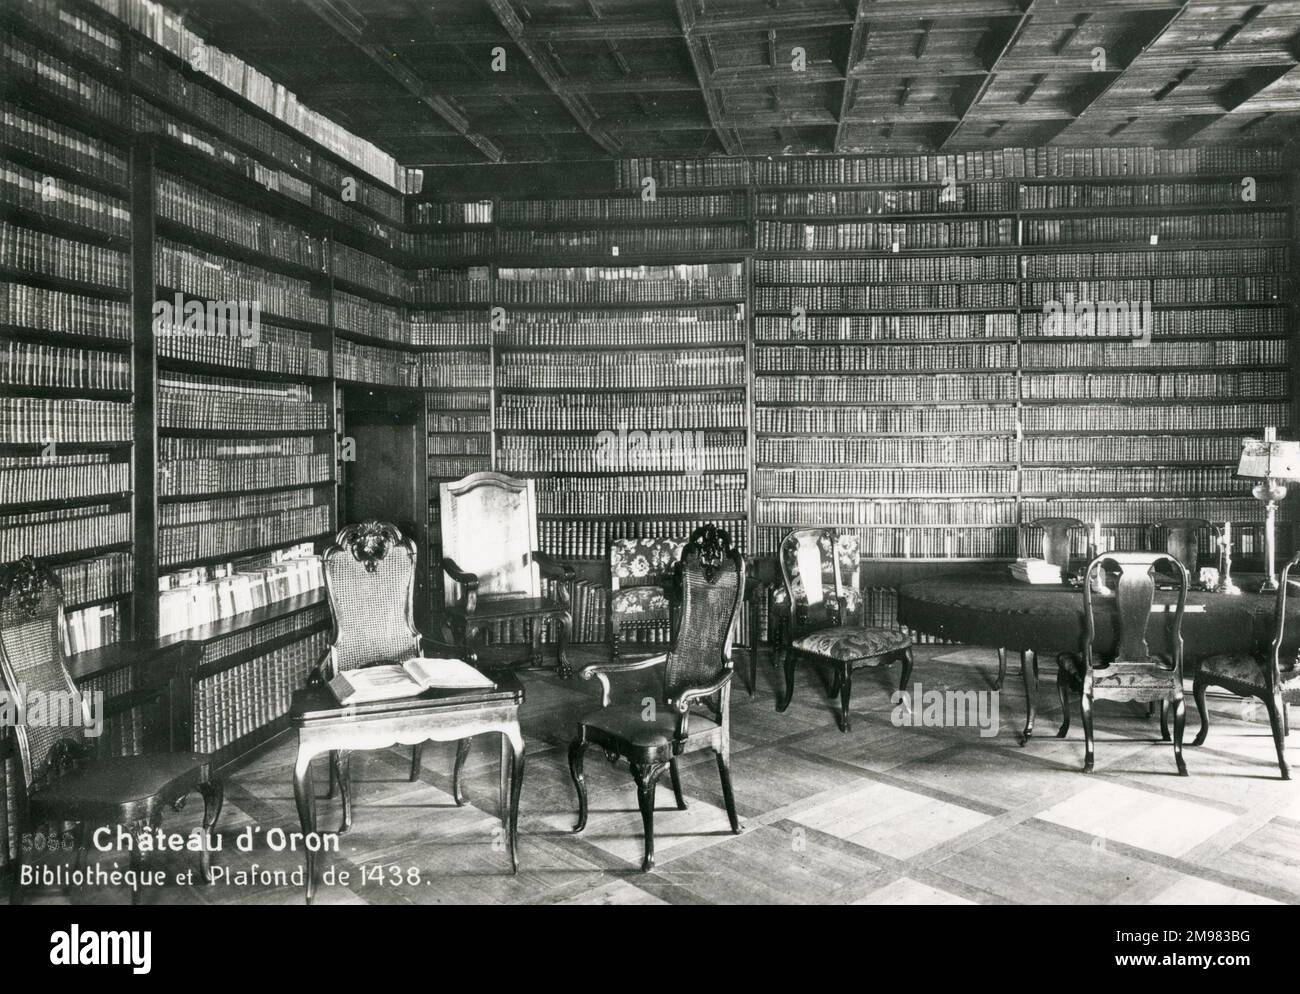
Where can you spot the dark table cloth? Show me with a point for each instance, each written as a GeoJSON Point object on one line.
{"type": "Point", "coordinates": [1001, 612]}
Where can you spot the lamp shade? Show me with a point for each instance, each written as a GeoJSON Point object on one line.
{"type": "Point", "coordinates": [1264, 459]}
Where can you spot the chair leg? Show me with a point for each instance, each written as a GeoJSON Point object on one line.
{"type": "Point", "coordinates": [906, 675]}
{"type": "Point", "coordinates": [1063, 692]}
{"type": "Point", "coordinates": [728, 795]}
{"type": "Point", "coordinates": [831, 678]}
{"type": "Point", "coordinates": [137, 860]}
{"type": "Point", "coordinates": [1002, 668]}
{"type": "Point", "coordinates": [462, 751]}
{"type": "Point", "coordinates": [846, 691]}
{"type": "Point", "coordinates": [1085, 705]}
{"type": "Point", "coordinates": [16, 885]}
{"type": "Point", "coordinates": [562, 645]}
{"type": "Point", "coordinates": [1180, 724]}
{"type": "Point", "coordinates": [1198, 693]}
{"type": "Point", "coordinates": [1164, 721]}
{"type": "Point", "coordinates": [214, 793]}
{"type": "Point", "coordinates": [787, 664]}
{"type": "Point", "coordinates": [417, 762]}
{"type": "Point", "coordinates": [753, 663]}
{"type": "Point", "coordinates": [576, 752]}
{"type": "Point", "coordinates": [677, 785]}
{"type": "Point", "coordinates": [536, 658]}
{"type": "Point", "coordinates": [1275, 706]}
{"type": "Point", "coordinates": [345, 789]}
{"type": "Point", "coordinates": [646, 776]}
{"type": "Point", "coordinates": [333, 775]}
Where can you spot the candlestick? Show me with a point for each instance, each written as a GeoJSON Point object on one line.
{"type": "Point", "coordinates": [1226, 585]}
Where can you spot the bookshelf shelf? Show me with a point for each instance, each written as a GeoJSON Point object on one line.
{"type": "Point", "coordinates": [175, 231]}
{"type": "Point", "coordinates": [245, 552]}
{"type": "Point", "coordinates": [47, 282]}
{"type": "Point", "coordinates": [28, 218]}
{"type": "Point", "coordinates": [61, 170]}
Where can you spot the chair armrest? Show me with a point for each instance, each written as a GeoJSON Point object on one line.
{"type": "Point", "coordinates": [602, 671]}
{"type": "Point", "coordinates": [468, 582]}
{"type": "Point", "coordinates": [682, 702]}
{"type": "Point", "coordinates": [552, 568]}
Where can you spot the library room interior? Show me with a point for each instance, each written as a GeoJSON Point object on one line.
{"type": "Point", "coordinates": [649, 452]}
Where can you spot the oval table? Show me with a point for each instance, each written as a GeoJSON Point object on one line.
{"type": "Point", "coordinates": [995, 610]}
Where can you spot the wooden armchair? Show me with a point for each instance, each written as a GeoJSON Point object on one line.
{"type": "Point", "coordinates": [59, 780]}
{"type": "Point", "coordinates": [1118, 663]}
{"type": "Point", "coordinates": [820, 568]}
{"type": "Point", "coordinates": [489, 541]}
{"type": "Point", "coordinates": [640, 573]}
{"type": "Point", "coordinates": [1261, 673]}
{"type": "Point", "coordinates": [370, 582]}
{"type": "Point", "coordinates": [697, 674]}
{"type": "Point", "coordinates": [1056, 537]}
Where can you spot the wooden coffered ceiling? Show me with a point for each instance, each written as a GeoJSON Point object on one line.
{"type": "Point", "coordinates": [599, 78]}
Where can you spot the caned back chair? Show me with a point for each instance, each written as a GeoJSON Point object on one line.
{"type": "Point", "coordinates": [694, 711]}
{"type": "Point", "coordinates": [1126, 655]}
{"type": "Point", "coordinates": [60, 777]}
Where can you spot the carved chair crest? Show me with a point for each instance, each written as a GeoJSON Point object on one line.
{"type": "Point", "coordinates": [369, 542]}
{"type": "Point", "coordinates": [712, 544]}
{"type": "Point", "coordinates": [27, 581]}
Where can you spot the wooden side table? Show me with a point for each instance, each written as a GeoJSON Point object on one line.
{"type": "Point", "coordinates": [324, 725]}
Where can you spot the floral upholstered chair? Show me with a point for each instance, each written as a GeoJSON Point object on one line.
{"type": "Point", "coordinates": [640, 571]}
{"type": "Point", "coordinates": [813, 617]}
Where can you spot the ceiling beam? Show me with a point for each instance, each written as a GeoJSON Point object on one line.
{"type": "Point", "coordinates": [383, 57]}
{"type": "Point", "coordinates": [579, 110]}
{"type": "Point", "coordinates": [695, 44]}
{"type": "Point", "coordinates": [1026, 14]}
{"type": "Point", "coordinates": [857, 45]}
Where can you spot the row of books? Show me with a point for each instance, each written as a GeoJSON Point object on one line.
{"type": "Point", "coordinates": [455, 369]}
{"type": "Point", "coordinates": [1202, 290]}
{"type": "Point", "coordinates": [1091, 449]}
{"type": "Point", "coordinates": [604, 370]}
{"type": "Point", "coordinates": [431, 212]}
{"type": "Point", "coordinates": [1057, 196]}
{"type": "Point", "coordinates": [902, 358]}
{"type": "Point", "coordinates": [367, 364]}
{"type": "Point", "coordinates": [29, 69]}
{"type": "Point", "coordinates": [972, 197]}
{"type": "Point", "coordinates": [1154, 228]}
{"type": "Point", "coordinates": [913, 269]}
{"type": "Point", "coordinates": [692, 283]}
{"type": "Point", "coordinates": [1227, 416]}
{"type": "Point", "coordinates": [449, 328]}
{"type": "Point", "coordinates": [590, 539]}
{"type": "Point", "coordinates": [1129, 479]}
{"type": "Point", "coordinates": [301, 623]}
{"type": "Point", "coordinates": [185, 543]}
{"type": "Point", "coordinates": [63, 200]}
{"type": "Point", "coordinates": [630, 174]}
{"type": "Point", "coordinates": [92, 627]}
{"type": "Point", "coordinates": [711, 207]}
{"type": "Point", "coordinates": [455, 444]}
{"type": "Point", "coordinates": [933, 297]}
{"type": "Point", "coordinates": [30, 364]}
{"type": "Point", "coordinates": [110, 575]}
{"type": "Point", "coordinates": [656, 240]}
{"type": "Point", "coordinates": [1141, 511]}
{"type": "Point", "coordinates": [471, 285]}
{"type": "Point", "coordinates": [39, 254]}
{"type": "Point", "coordinates": [905, 482]}
{"type": "Point", "coordinates": [583, 411]}
{"type": "Point", "coordinates": [916, 543]}
{"type": "Point", "coordinates": [57, 532]}
{"type": "Point", "coordinates": [905, 451]}
{"type": "Point", "coordinates": [679, 326]}
{"type": "Point", "coordinates": [183, 477]}
{"type": "Point", "coordinates": [1148, 263]}
{"type": "Point", "coordinates": [457, 400]}
{"type": "Point", "coordinates": [36, 479]}
{"type": "Point", "coordinates": [194, 597]}
{"type": "Point", "coordinates": [439, 421]}
{"type": "Point", "coordinates": [884, 327]}
{"type": "Point", "coordinates": [774, 236]}
{"type": "Point", "coordinates": [462, 244]}
{"type": "Point", "coordinates": [198, 510]}
{"type": "Point", "coordinates": [244, 699]}
{"type": "Point", "coordinates": [720, 493]}
{"type": "Point", "coordinates": [217, 278]}
{"type": "Point", "coordinates": [1215, 322]}
{"type": "Point", "coordinates": [368, 270]}
{"type": "Point", "coordinates": [75, 151]}
{"type": "Point", "coordinates": [1152, 386]}
{"type": "Point", "coordinates": [454, 467]}
{"type": "Point", "coordinates": [687, 452]}
{"type": "Point", "coordinates": [885, 389]}
{"type": "Point", "coordinates": [848, 512]}
{"type": "Point", "coordinates": [191, 206]}
{"type": "Point", "coordinates": [83, 35]}
{"type": "Point", "coordinates": [367, 317]}
{"type": "Point", "coordinates": [42, 309]}
{"type": "Point", "coordinates": [41, 420]}
{"type": "Point", "coordinates": [814, 420]}
{"type": "Point", "coordinates": [286, 351]}
{"type": "Point", "coordinates": [191, 401]}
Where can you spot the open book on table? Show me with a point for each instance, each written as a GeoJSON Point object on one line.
{"type": "Point", "coordinates": [408, 679]}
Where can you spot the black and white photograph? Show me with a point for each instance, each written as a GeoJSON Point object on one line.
{"type": "Point", "coordinates": [524, 453]}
